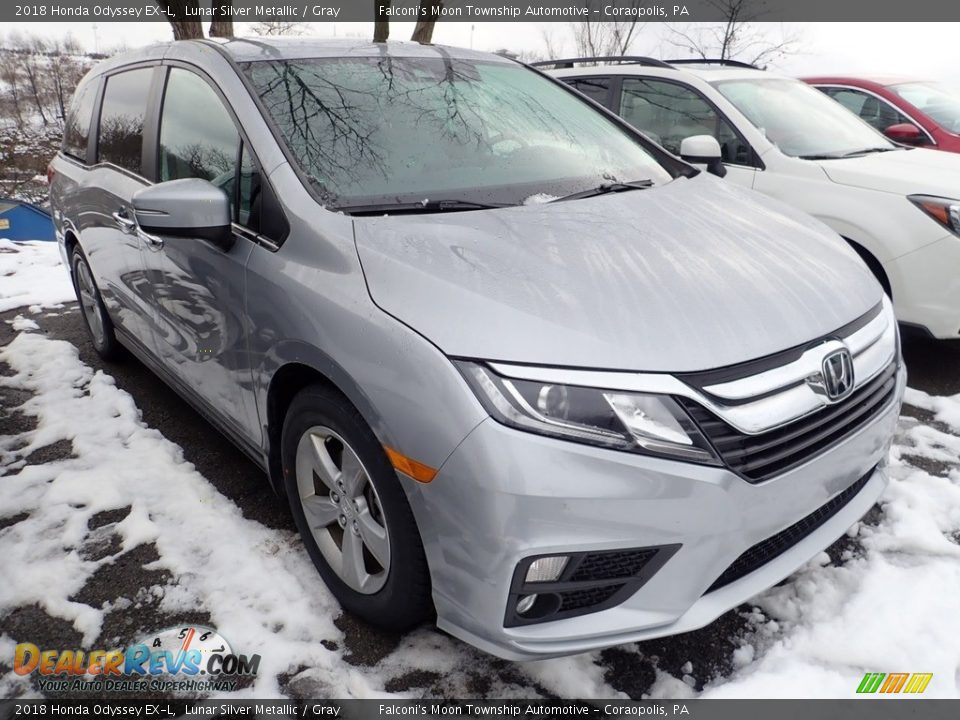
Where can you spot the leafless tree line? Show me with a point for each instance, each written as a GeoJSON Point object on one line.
{"type": "Point", "coordinates": [38, 77]}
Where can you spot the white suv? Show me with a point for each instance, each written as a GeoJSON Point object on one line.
{"type": "Point", "coordinates": [898, 207]}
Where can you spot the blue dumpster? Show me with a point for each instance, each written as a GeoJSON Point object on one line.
{"type": "Point", "coordinates": [22, 221]}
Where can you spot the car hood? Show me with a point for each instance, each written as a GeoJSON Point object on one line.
{"type": "Point", "coordinates": [904, 172]}
{"type": "Point", "coordinates": [693, 275]}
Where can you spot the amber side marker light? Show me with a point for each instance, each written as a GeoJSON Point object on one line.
{"type": "Point", "coordinates": [409, 466]}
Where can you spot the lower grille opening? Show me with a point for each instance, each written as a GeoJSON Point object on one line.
{"type": "Point", "coordinates": [588, 597]}
{"type": "Point", "coordinates": [766, 550]}
{"type": "Point", "coordinates": [589, 582]}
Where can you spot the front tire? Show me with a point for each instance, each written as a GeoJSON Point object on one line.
{"type": "Point", "coordinates": [92, 308]}
{"type": "Point", "coordinates": [352, 513]}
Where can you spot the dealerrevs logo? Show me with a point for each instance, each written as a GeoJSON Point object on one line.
{"type": "Point", "coordinates": [190, 658]}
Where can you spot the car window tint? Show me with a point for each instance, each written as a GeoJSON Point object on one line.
{"type": "Point", "coordinates": [198, 138]}
{"type": "Point", "coordinates": [597, 89]}
{"type": "Point", "coordinates": [873, 110]}
{"type": "Point", "coordinates": [668, 113]}
{"type": "Point", "coordinates": [76, 131]}
{"type": "Point", "coordinates": [121, 119]}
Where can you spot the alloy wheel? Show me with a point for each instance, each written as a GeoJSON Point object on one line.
{"type": "Point", "coordinates": [89, 303]}
{"type": "Point", "coordinates": [343, 510]}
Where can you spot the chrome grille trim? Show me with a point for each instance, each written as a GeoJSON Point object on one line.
{"type": "Point", "coordinates": [753, 405]}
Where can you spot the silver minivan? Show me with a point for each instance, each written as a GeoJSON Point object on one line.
{"type": "Point", "coordinates": [515, 366]}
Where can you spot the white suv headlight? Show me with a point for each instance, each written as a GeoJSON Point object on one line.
{"type": "Point", "coordinates": [635, 422]}
{"type": "Point", "coordinates": [944, 210]}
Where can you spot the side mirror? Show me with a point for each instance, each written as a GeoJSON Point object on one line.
{"type": "Point", "coordinates": [906, 133]}
{"type": "Point", "coordinates": [189, 208]}
{"type": "Point", "coordinates": [703, 150]}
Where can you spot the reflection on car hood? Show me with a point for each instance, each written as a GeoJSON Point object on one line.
{"type": "Point", "coordinates": [692, 275]}
{"type": "Point", "coordinates": [905, 172]}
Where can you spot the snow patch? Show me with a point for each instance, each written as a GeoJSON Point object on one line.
{"type": "Point", "coordinates": [31, 274]}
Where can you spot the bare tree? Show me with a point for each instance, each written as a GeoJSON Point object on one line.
{"type": "Point", "coordinates": [429, 14]}
{"type": "Point", "coordinates": [183, 28]}
{"type": "Point", "coordinates": [12, 79]}
{"type": "Point", "coordinates": [64, 72]}
{"type": "Point", "coordinates": [222, 23]}
{"type": "Point", "coordinates": [31, 49]}
{"type": "Point", "coordinates": [552, 48]}
{"type": "Point", "coordinates": [381, 24]}
{"type": "Point", "coordinates": [737, 37]}
{"type": "Point", "coordinates": [275, 28]}
{"type": "Point", "coordinates": [601, 39]}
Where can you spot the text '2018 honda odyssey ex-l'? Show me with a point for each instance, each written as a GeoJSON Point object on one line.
{"type": "Point", "coordinates": [511, 362]}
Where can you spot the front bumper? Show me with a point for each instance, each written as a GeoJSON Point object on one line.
{"type": "Point", "coordinates": [926, 287]}
{"type": "Point", "coordinates": [504, 495]}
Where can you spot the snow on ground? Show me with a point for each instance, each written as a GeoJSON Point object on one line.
{"type": "Point", "coordinates": [31, 274]}
{"type": "Point", "coordinates": [889, 601]}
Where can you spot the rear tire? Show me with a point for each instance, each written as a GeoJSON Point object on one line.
{"type": "Point", "coordinates": [94, 312]}
{"type": "Point", "coordinates": [352, 513]}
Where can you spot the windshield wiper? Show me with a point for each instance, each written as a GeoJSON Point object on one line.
{"type": "Point", "coordinates": [423, 206]}
{"type": "Point", "coordinates": [847, 153]}
{"type": "Point", "coordinates": [605, 188]}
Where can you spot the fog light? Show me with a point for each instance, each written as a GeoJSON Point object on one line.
{"type": "Point", "coordinates": [547, 569]}
{"type": "Point", "coordinates": [526, 602]}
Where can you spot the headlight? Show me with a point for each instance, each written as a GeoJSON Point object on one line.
{"type": "Point", "coordinates": [635, 422]}
{"type": "Point", "coordinates": [943, 210]}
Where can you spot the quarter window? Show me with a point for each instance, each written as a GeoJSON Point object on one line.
{"type": "Point", "coordinates": [76, 131]}
{"type": "Point", "coordinates": [668, 112]}
{"type": "Point", "coordinates": [121, 119]}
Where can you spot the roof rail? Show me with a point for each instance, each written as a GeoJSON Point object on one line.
{"type": "Point", "coordinates": [713, 61]}
{"type": "Point", "coordinates": [626, 59]}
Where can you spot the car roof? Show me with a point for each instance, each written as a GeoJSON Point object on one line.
{"type": "Point", "coordinates": [249, 49]}
{"type": "Point", "coordinates": [860, 80]}
{"type": "Point", "coordinates": [706, 72]}
{"type": "Point", "coordinates": [243, 49]}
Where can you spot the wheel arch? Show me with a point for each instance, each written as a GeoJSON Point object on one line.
{"type": "Point", "coordinates": [876, 267]}
{"type": "Point", "coordinates": [289, 379]}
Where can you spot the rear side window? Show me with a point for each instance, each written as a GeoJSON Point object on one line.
{"type": "Point", "coordinates": [669, 112]}
{"type": "Point", "coordinates": [77, 129]}
{"type": "Point", "coordinates": [121, 119]}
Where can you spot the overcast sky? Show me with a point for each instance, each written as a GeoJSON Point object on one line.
{"type": "Point", "coordinates": [919, 49]}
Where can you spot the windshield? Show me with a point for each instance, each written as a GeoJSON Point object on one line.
{"type": "Point", "coordinates": [384, 130]}
{"type": "Point", "coordinates": [801, 121]}
{"type": "Point", "coordinates": [939, 102]}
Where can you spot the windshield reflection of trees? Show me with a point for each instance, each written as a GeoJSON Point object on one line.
{"type": "Point", "coordinates": [352, 130]}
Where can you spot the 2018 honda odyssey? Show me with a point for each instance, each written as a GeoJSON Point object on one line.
{"type": "Point", "coordinates": [511, 362]}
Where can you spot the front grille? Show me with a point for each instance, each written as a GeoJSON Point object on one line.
{"type": "Point", "coordinates": [588, 597]}
{"type": "Point", "coordinates": [760, 457]}
{"type": "Point", "coordinates": [766, 550]}
{"type": "Point", "coordinates": [611, 565]}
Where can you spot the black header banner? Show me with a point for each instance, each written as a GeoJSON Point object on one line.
{"type": "Point", "coordinates": [302, 709]}
{"type": "Point", "coordinates": [477, 11]}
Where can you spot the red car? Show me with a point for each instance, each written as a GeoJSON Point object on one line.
{"type": "Point", "coordinates": [924, 113]}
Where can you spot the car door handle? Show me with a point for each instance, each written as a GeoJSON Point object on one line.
{"type": "Point", "coordinates": [151, 241]}
{"type": "Point", "coordinates": [124, 223]}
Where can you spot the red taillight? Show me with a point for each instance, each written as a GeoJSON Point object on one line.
{"type": "Point", "coordinates": [50, 173]}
